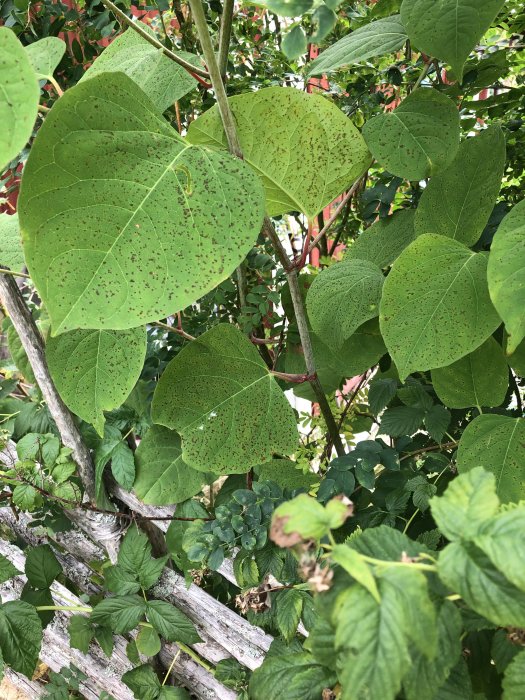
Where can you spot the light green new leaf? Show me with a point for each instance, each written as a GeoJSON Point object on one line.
{"type": "Point", "coordinates": [354, 564]}
{"type": "Point", "coordinates": [506, 274]}
{"type": "Point", "coordinates": [305, 518]}
{"type": "Point", "coordinates": [514, 678]}
{"type": "Point", "coordinates": [375, 39]}
{"type": "Point", "coordinates": [435, 306]}
{"type": "Point", "coordinates": [20, 636]}
{"type": "Point", "coordinates": [385, 240]}
{"type": "Point", "coordinates": [302, 169]}
{"type": "Point", "coordinates": [501, 539]}
{"type": "Point", "coordinates": [496, 443]}
{"type": "Point", "coordinates": [186, 216]}
{"type": "Point", "coordinates": [220, 397]}
{"type": "Point", "coordinates": [162, 476]}
{"type": "Point", "coordinates": [7, 569]}
{"type": "Point", "coordinates": [342, 297]}
{"type": "Point", "coordinates": [468, 383]}
{"type": "Point", "coordinates": [18, 98]}
{"type": "Point", "coordinates": [299, 673]}
{"type": "Point", "coordinates": [95, 370]}
{"type": "Point", "coordinates": [163, 80]}
{"type": "Point", "coordinates": [11, 253]}
{"type": "Point", "coordinates": [45, 55]}
{"type": "Point", "coordinates": [458, 201]}
{"type": "Point", "coordinates": [448, 29]}
{"type": "Point", "coordinates": [418, 138]}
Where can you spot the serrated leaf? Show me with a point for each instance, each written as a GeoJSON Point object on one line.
{"type": "Point", "coordinates": [148, 641]}
{"type": "Point", "coordinates": [104, 637]}
{"type": "Point", "coordinates": [418, 138]}
{"type": "Point", "coordinates": [45, 55]}
{"type": "Point", "coordinates": [172, 624]}
{"type": "Point", "coordinates": [448, 29]}
{"type": "Point", "coordinates": [374, 39]}
{"type": "Point", "coordinates": [81, 633]}
{"type": "Point", "coordinates": [123, 465]}
{"type": "Point", "coordinates": [226, 425]}
{"type": "Point", "coordinates": [26, 497]}
{"type": "Point", "coordinates": [385, 543]}
{"type": "Point", "coordinates": [162, 476]}
{"type": "Point", "coordinates": [135, 550]}
{"type": "Point", "coordinates": [298, 673]}
{"type": "Point", "coordinates": [288, 609]}
{"type": "Point", "coordinates": [435, 306]}
{"type": "Point", "coordinates": [35, 446]}
{"type": "Point", "coordinates": [385, 240]}
{"type": "Point", "coordinates": [401, 420]}
{"type": "Point", "coordinates": [11, 253]}
{"type": "Point", "coordinates": [437, 420]}
{"type": "Point", "coordinates": [342, 297]}
{"type": "Point", "coordinates": [119, 580]}
{"type": "Point", "coordinates": [354, 564]}
{"type": "Point", "coordinates": [19, 97]}
{"type": "Point", "coordinates": [20, 636]}
{"type": "Point", "coordinates": [42, 566]}
{"type": "Point", "coordinates": [496, 443]}
{"type": "Point", "coordinates": [506, 274]}
{"type": "Point", "coordinates": [143, 682]}
{"type": "Point", "coordinates": [7, 569]}
{"type": "Point", "coordinates": [466, 382]}
{"type": "Point", "coordinates": [458, 685]}
{"type": "Point", "coordinates": [120, 613]}
{"type": "Point", "coordinates": [514, 679]}
{"type": "Point", "coordinates": [380, 393]}
{"type": "Point", "coordinates": [95, 370]}
{"type": "Point", "coordinates": [301, 169]}
{"type": "Point", "coordinates": [458, 201]}
{"type": "Point", "coordinates": [501, 538]}
{"type": "Point", "coordinates": [97, 265]}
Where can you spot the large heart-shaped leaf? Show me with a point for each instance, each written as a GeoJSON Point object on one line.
{"type": "Point", "coordinates": [11, 253]}
{"type": "Point", "coordinates": [45, 55]}
{"type": "Point", "coordinates": [418, 138]}
{"type": "Point", "coordinates": [435, 306]}
{"type": "Point", "coordinates": [163, 80]}
{"type": "Point", "coordinates": [162, 477]}
{"type": "Point", "coordinates": [458, 201]}
{"type": "Point", "coordinates": [124, 222]}
{"type": "Point", "coordinates": [385, 240]}
{"type": "Point", "coordinates": [95, 370]}
{"type": "Point", "coordinates": [506, 274]}
{"type": "Point", "coordinates": [375, 39]}
{"type": "Point", "coordinates": [303, 147]}
{"type": "Point", "coordinates": [448, 29]}
{"type": "Point", "coordinates": [18, 97]}
{"type": "Point", "coordinates": [219, 395]}
{"type": "Point", "coordinates": [496, 443]}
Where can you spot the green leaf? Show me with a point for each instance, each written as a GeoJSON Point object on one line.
{"type": "Point", "coordinates": [20, 636]}
{"type": "Point", "coordinates": [302, 169]}
{"type": "Point", "coordinates": [458, 201]}
{"type": "Point", "coordinates": [305, 518]}
{"type": "Point", "coordinates": [506, 274]}
{"type": "Point", "coordinates": [95, 370]}
{"type": "Point", "coordinates": [448, 29]}
{"type": "Point", "coordinates": [467, 383]}
{"type": "Point", "coordinates": [135, 550]}
{"type": "Point", "coordinates": [81, 633]}
{"type": "Point", "coordinates": [514, 679]}
{"type": "Point", "coordinates": [435, 306]}
{"type": "Point", "coordinates": [162, 477]}
{"type": "Point", "coordinates": [501, 538]}
{"type": "Point", "coordinates": [104, 637]}
{"type": "Point", "coordinates": [342, 297]}
{"type": "Point", "coordinates": [19, 97]}
{"type": "Point", "coordinates": [151, 571]}
{"type": "Point", "coordinates": [385, 240]}
{"type": "Point", "coordinates": [163, 81]}
{"type": "Point", "coordinates": [26, 497]}
{"type": "Point", "coordinates": [458, 685]}
{"type": "Point", "coordinates": [143, 682]}
{"type": "Point", "coordinates": [123, 465]}
{"type": "Point", "coordinates": [172, 624]}
{"type": "Point", "coordinates": [294, 42]}
{"type": "Point", "coordinates": [35, 446]}
{"type": "Point", "coordinates": [416, 139]}
{"type": "Point", "coordinates": [45, 55]}
{"type": "Point", "coordinates": [285, 473]}
{"type": "Point", "coordinates": [323, 19]}
{"type": "Point", "coordinates": [119, 580]}
{"type": "Point", "coordinates": [288, 609]}
{"type": "Point", "coordinates": [18, 354]}
{"type": "Point", "coordinates": [120, 613]}
{"type": "Point", "coordinates": [171, 693]}
{"type": "Point", "coordinates": [148, 642]}
{"type": "Point", "coordinates": [97, 265]}
{"type": "Point", "coordinates": [11, 253]}
{"type": "Point", "coordinates": [374, 39]}
{"type": "Point", "coordinates": [7, 569]}
{"type": "Point", "coordinates": [380, 393]}
{"type": "Point", "coordinates": [42, 567]}
{"type": "Point", "coordinates": [497, 444]}
{"type": "Point", "coordinates": [385, 543]}
{"type": "Point", "coordinates": [354, 564]}
{"type": "Point", "coordinates": [361, 351]}
{"type": "Point", "coordinates": [227, 425]}
{"type": "Point", "coordinates": [437, 420]}
{"type": "Point", "coordinates": [401, 420]}
{"type": "Point", "coordinates": [298, 673]}
{"type": "Point", "coordinates": [469, 501]}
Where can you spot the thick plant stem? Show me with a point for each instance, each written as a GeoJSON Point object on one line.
{"type": "Point", "coordinates": [224, 35]}
{"type": "Point", "coordinates": [33, 345]}
{"type": "Point", "coordinates": [230, 130]}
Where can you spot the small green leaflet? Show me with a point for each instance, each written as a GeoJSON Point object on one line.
{"type": "Point", "coordinates": [143, 682]}
{"type": "Point", "coordinates": [417, 139]}
{"type": "Point", "coordinates": [148, 642]}
{"type": "Point", "coordinates": [288, 609]}
{"type": "Point", "coordinates": [18, 99]}
{"type": "Point", "coordinates": [163, 81]}
{"type": "Point", "coordinates": [435, 306]}
{"type": "Point", "coordinates": [98, 265]}
{"type": "Point", "coordinates": [42, 566]}
{"type": "Point", "coordinates": [20, 636]}
{"type": "Point", "coordinates": [385, 240]}
{"type": "Point", "coordinates": [7, 569]}
{"type": "Point", "coordinates": [11, 253]}
{"type": "Point", "coordinates": [45, 55]}
{"type": "Point", "coordinates": [302, 169]}
{"type": "Point", "coordinates": [506, 274]}
{"type": "Point", "coordinates": [496, 443]}
{"type": "Point", "coordinates": [448, 29]}
{"type": "Point", "coordinates": [305, 518]}
{"type": "Point", "coordinates": [81, 632]}
{"type": "Point", "coordinates": [135, 567]}
{"type": "Point", "coordinates": [120, 613]}
{"type": "Point", "coordinates": [458, 201]}
{"type": "Point", "coordinates": [172, 624]}
{"type": "Point", "coordinates": [374, 39]}
{"type": "Point", "coordinates": [162, 477]}
{"type": "Point", "coordinates": [95, 370]}
{"type": "Point", "coordinates": [467, 383]}
{"type": "Point", "coordinates": [294, 42]}
{"type": "Point", "coordinates": [227, 425]}
{"type": "Point", "coordinates": [342, 297]}
{"type": "Point", "coordinates": [112, 447]}
{"type": "Point", "coordinates": [298, 673]}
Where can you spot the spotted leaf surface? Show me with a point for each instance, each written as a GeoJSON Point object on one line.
{"type": "Point", "coordinates": [122, 221]}
{"type": "Point", "coordinates": [162, 476]}
{"type": "Point", "coordinates": [219, 395]}
{"type": "Point", "coordinates": [95, 370]}
{"type": "Point", "coordinates": [448, 29]}
{"type": "Point", "coordinates": [385, 240]}
{"type": "Point", "coordinates": [11, 253]}
{"type": "Point", "coordinates": [18, 97]}
{"type": "Point", "coordinates": [303, 147]}
{"type": "Point", "coordinates": [418, 138]}
{"type": "Point", "coordinates": [435, 306]}
{"type": "Point", "coordinates": [45, 55]}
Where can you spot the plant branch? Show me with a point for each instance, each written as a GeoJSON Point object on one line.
{"type": "Point", "coordinates": [224, 35]}
{"type": "Point", "coordinates": [4, 271]}
{"type": "Point", "coordinates": [432, 448]}
{"type": "Point", "coordinates": [173, 329]}
{"type": "Point", "coordinates": [334, 216]}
